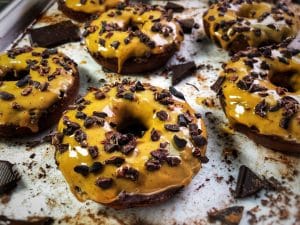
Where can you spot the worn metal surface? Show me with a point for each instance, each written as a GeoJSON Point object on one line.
{"type": "Point", "coordinates": [43, 191]}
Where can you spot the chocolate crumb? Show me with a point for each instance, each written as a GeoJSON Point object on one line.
{"type": "Point", "coordinates": [228, 216]}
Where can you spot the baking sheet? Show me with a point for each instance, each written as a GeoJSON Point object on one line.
{"type": "Point", "coordinates": [44, 192]}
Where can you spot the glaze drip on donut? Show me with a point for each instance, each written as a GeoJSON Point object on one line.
{"type": "Point", "coordinates": [137, 31]}
{"type": "Point", "coordinates": [32, 81]}
{"type": "Point", "coordinates": [260, 90]}
{"type": "Point", "coordinates": [237, 24]}
{"type": "Point", "coordinates": [142, 139]}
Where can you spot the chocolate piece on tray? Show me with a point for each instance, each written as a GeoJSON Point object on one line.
{"type": "Point", "coordinates": [8, 177]}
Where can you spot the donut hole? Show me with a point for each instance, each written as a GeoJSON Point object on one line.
{"type": "Point", "coordinates": [14, 75]}
{"type": "Point", "coordinates": [128, 124]}
{"type": "Point", "coordinates": [289, 80]}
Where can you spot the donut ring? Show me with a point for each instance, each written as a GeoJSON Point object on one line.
{"type": "Point", "coordinates": [36, 85]}
{"type": "Point", "coordinates": [129, 145]}
{"type": "Point", "coordinates": [133, 39]}
{"type": "Point", "coordinates": [237, 24]}
{"type": "Point", "coordinates": [81, 10]}
{"type": "Point", "coordinates": [260, 95]}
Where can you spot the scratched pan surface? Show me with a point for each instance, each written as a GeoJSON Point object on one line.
{"type": "Point", "coordinates": [44, 192]}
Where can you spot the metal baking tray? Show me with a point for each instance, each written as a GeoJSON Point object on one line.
{"type": "Point", "coordinates": [44, 192]}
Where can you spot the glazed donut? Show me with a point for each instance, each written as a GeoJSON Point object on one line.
{"type": "Point", "coordinates": [129, 145]}
{"type": "Point", "coordinates": [237, 24]}
{"type": "Point", "coordinates": [133, 39]}
{"type": "Point", "coordinates": [81, 10]}
{"type": "Point", "coordinates": [260, 95]}
{"type": "Point", "coordinates": [36, 85]}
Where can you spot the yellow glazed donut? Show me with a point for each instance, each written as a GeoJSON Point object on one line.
{"type": "Point", "coordinates": [133, 39]}
{"type": "Point", "coordinates": [237, 24]}
{"type": "Point", "coordinates": [36, 85]}
{"type": "Point", "coordinates": [260, 94]}
{"type": "Point", "coordinates": [81, 10]}
{"type": "Point", "coordinates": [129, 144]}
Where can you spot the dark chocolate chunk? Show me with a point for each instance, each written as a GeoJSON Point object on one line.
{"type": "Point", "coordinates": [104, 183]}
{"type": "Point", "coordinates": [153, 165]}
{"type": "Point", "coordinates": [23, 82]}
{"type": "Point", "coordinates": [217, 86]}
{"type": "Point", "coordinates": [155, 135]}
{"type": "Point", "coordinates": [182, 71]}
{"type": "Point", "coordinates": [82, 169]}
{"type": "Point", "coordinates": [182, 121]}
{"type": "Point", "coordinates": [32, 221]}
{"type": "Point", "coordinates": [173, 160]}
{"type": "Point", "coordinates": [115, 160]}
{"type": "Point", "coordinates": [6, 96]}
{"type": "Point", "coordinates": [262, 108]}
{"type": "Point", "coordinates": [173, 6]}
{"type": "Point", "coordinates": [162, 115]}
{"type": "Point", "coordinates": [128, 172]}
{"type": "Point", "coordinates": [179, 142]}
{"type": "Point", "coordinates": [93, 150]}
{"type": "Point", "coordinates": [187, 25]}
{"type": "Point", "coordinates": [172, 127]}
{"type": "Point", "coordinates": [248, 183]}
{"type": "Point", "coordinates": [8, 177]}
{"type": "Point", "coordinates": [176, 93]}
{"type": "Point", "coordinates": [228, 216]}
{"type": "Point", "coordinates": [54, 35]}
{"type": "Point", "coordinates": [160, 154]}
{"type": "Point", "coordinates": [96, 167]}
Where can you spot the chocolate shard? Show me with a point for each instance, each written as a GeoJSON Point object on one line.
{"type": "Point", "coordinates": [179, 142]}
{"type": "Point", "coordinates": [182, 71]}
{"type": "Point", "coordinates": [228, 216]}
{"type": "Point", "coordinates": [173, 6]}
{"type": "Point", "coordinates": [33, 221]}
{"type": "Point", "coordinates": [248, 183]}
{"type": "Point", "coordinates": [9, 177]}
{"type": "Point", "coordinates": [54, 35]}
{"type": "Point", "coordinates": [187, 25]}
{"type": "Point", "coordinates": [176, 93]}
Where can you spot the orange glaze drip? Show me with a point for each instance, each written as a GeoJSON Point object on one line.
{"type": "Point", "coordinates": [37, 101]}
{"type": "Point", "coordinates": [92, 6]}
{"type": "Point", "coordinates": [240, 104]}
{"type": "Point", "coordinates": [143, 19]}
{"type": "Point", "coordinates": [260, 31]}
{"type": "Point", "coordinates": [144, 108]}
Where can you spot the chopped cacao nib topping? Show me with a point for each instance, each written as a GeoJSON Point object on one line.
{"type": "Point", "coordinates": [290, 107]}
{"type": "Point", "coordinates": [115, 44]}
{"type": "Point", "coordinates": [155, 135]}
{"type": "Point", "coordinates": [62, 148]}
{"type": "Point", "coordinates": [245, 83]}
{"type": "Point", "coordinates": [71, 126]}
{"type": "Point", "coordinates": [164, 97]}
{"type": "Point", "coordinates": [99, 95]}
{"type": "Point", "coordinates": [262, 108]}
{"type": "Point", "coordinates": [128, 96]}
{"type": "Point", "coordinates": [139, 86]}
{"type": "Point", "coordinates": [173, 160]}
{"type": "Point", "coordinates": [80, 115]}
{"type": "Point", "coordinates": [17, 106]}
{"type": "Point", "coordinates": [257, 88]}
{"type": "Point", "coordinates": [264, 65]}
{"type": "Point", "coordinates": [104, 183]}
{"type": "Point", "coordinates": [199, 140]}
{"type": "Point", "coordinates": [182, 121]}
{"type": "Point", "coordinates": [128, 172]}
{"type": "Point", "coordinates": [176, 93]}
{"type": "Point", "coordinates": [172, 127]}
{"type": "Point", "coordinates": [194, 130]}
{"type": "Point", "coordinates": [153, 165]}
{"type": "Point", "coordinates": [198, 115]}
{"type": "Point", "coordinates": [26, 91]}
{"type": "Point", "coordinates": [96, 167]}
{"type": "Point", "coordinates": [109, 147]}
{"type": "Point", "coordinates": [57, 138]}
{"type": "Point", "coordinates": [93, 150]}
{"type": "Point", "coordinates": [12, 53]}
{"type": "Point", "coordinates": [115, 160]}
{"type": "Point", "coordinates": [23, 82]}
{"type": "Point", "coordinates": [89, 122]}
{"type": "Point", "coordinates": [179, 142]}
{"type": "Point", "coordinates": [162, 115]}
{"type": "Point", "coordinates": [164, 144]}
{"type": "Point", "coordinates": [80, 137]}
{"type": "Point", "coordinates": [100, 114]}
{"type": "Point", "coordinates": [281, 90]}
{"type": "Point", "coordinates": [82, 169]}
{"type": "Point", "coordinates": [6, 96]}
{"type": "Point", "coordinates": [217, 86]}
{"type": "Point", "coordinates": [43, 86]}
{"type": "Point", "coordinates": [160, 154]}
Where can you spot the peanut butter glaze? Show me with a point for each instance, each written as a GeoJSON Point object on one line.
{"type": "Point", "coordinates": [92, 6]}
{"type": "Point", "coordinates": [238, 24]}
{"type": "Point", "coordinates": [23, 100]}
{"type": "Point", "coordinates": [150, 163]}
{"type": "Point", "coordinates": [136, 31]}
{"type": "Point", "coordinates": [261, 91]}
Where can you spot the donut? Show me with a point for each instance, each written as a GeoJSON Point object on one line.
{"type": "Point", "coordinates": [81, 10]}
{"type": "Point", "coordinates": [235, 25]}
{"type": "Point", "coordinates": [129, 144]}
{"type": "Point", "coordinates": [133, 39]}
{"type": "Point", "coordinates": [260, 93]}
{"type": "Point", "coordinates": [36, 85]}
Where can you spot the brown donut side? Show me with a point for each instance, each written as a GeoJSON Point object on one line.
{"type": "Point", "coordinates": [49, 118]}
{"type": "Point", "coordinates": [125, 200]}
{"type": "Point", "coordinates": [75, 15]}
{"type": "Point", "coordinates": [138, 65]}
{"type": "Point", "coordinates": [269, 141]}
